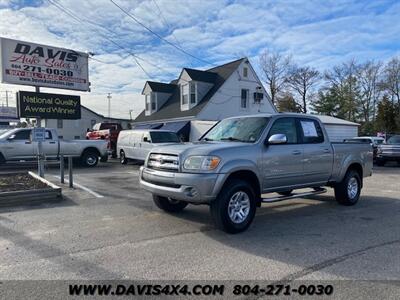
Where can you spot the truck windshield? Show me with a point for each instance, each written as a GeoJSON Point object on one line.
{"type": "Point", "coordinates": [164, 137]}
{"type": "Point", "coordinates": [247, 130]}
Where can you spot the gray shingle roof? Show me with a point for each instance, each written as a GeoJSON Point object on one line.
{"type": "Point", "coordinates": [172, 107]}
{"type": "Point", "coordinates": [161, 87]}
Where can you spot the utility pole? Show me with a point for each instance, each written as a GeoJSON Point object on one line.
{"type": "Point", "coordinates": [109, 105]}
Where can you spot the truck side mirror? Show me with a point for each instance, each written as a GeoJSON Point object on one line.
{"type": "Point", "coordinates": [277, 139]}
{"type": "Point", "coordinates": [146, 140]}
{"type": "Point", "coordinates": [11, 137]}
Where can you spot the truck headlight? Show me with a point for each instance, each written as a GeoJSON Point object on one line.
{"type": "Point", "coordinates": [206, 163]}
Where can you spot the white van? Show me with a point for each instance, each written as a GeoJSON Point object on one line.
{"type": "Point", "coordinates": [136, 144]}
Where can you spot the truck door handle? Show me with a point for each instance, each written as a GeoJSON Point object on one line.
{"type": "Point", "coordinates": [27, 142]}
{"type": "Point", "coordinates": [52, 142]}
{"type": "Point", "coordinates": [327, 151]}
{"type": "Point", "coordinates": [296, 152]}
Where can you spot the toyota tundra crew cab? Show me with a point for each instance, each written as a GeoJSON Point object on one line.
{"type": "Point", "coordinates": [241, 159]}
{"type": "Point", "coordinates": [17, 144]}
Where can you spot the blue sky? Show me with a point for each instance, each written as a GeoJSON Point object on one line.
{"type": "Point", "coordinates": [316, 33]}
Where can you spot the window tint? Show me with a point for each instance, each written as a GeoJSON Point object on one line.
{"type": "Point", "coordinates": [164, 137]}
{"type": "Point", "coordinates": [311, 131]}
{"type": "Point", "coordinates": [285, 126]}
{"type": "Point", "coordinates": [394, 140]}
{"type": "Point", "coordinates": [23, 135]}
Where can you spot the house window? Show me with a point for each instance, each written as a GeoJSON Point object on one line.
{"type": "Point", "coordinates": [147, 102]}
{"type": "Point", "coordinates": [185, 94]}
{"type": "Point", "coordinates": [193, 93]}
{"type": "Point", "coordinates": [244, 99]}
{"type": "Point", "coordinates": [245, 71]}
{"type": "Point", "coordinates": [59, 123]}
{"type": "Point", "coordinates": [153, 101]}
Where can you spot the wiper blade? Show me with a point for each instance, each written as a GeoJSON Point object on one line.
{"type": "Point", "coordinates": [231, 139]}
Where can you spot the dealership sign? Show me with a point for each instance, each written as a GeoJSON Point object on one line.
{"type": "Point", "coordinates": [48, 106]}
{"type": "Point", "coordinates": [45, 66]}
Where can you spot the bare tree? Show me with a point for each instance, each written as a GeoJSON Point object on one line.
{"type": "Point", "coordinates": [276, 68]}
{"type": "Point", "coordinates": [391, 79]}
{"type": "Point", "coordinates": [368, 79]}
{"type": "Point", "coordinates": [302, 80]}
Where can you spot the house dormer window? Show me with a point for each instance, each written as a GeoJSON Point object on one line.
{"type": "Point", "coordinates": [185, 94]}
{"type": "Point", "coordinates": [147, 102]}
{"type": "Point", "coordinates": [193, 93]}
{"type": "Point", "coordinates": [151, 103]}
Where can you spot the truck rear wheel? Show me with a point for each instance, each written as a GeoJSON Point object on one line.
{"type": "Point", "coordinates": [89, 158]}
{"type": "Point", "coordinates": [169, 205]}
{"type": "Point", "coordinates": [235, 206]}
{"type": "Point", "coordinates": [347, 192]}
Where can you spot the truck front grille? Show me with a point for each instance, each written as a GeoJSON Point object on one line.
{"type": "Point", "coordinates": [160, 161]}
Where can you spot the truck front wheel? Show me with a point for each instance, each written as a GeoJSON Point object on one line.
{"type": "Point", "coordinates": [234, 208]}
{"type": "Point", "coordinates": [168, 204]}
{"type": "Point", "coordinates": [347, 192]}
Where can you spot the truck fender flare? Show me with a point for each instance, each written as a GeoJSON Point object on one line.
{"type": "Point", "coordinates": [236, 166]}
{"type": "Point", "coordinates": [346, 165]}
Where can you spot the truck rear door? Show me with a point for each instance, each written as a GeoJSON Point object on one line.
{"type": "Point", "coordinates": [50, 145]}
{"type": "Point", "coordinates": [318, 151]}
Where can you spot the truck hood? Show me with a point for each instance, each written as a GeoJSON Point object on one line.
{"type": "Point", "coordinates": [199, 148]}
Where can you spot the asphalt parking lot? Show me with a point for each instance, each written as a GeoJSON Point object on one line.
{"type": "Point", "coordinates": [108, 228]}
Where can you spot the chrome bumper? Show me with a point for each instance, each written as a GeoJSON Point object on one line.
{"type": "Point", "coordinates": [194, 188]}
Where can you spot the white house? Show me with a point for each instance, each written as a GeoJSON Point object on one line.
{"type": "Point", "coordinates": [191, 104]}
{"type": "Point", "coordinates": [196, 100]}
{"type": "Point", "coordinates": [76, 129]}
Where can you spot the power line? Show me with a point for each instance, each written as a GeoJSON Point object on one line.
{"type": "Point", "coordinates": [62, 8]}
{"type": "Point", "coordinates": [157, 35]}
{"type": "Point", "coordinates": [166, 23]}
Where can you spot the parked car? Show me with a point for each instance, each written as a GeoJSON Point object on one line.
{"type": "Point", "coordinates": [374, 141]}
{"type": "Point", "coordinates": [106, 131]}
{"type": "Point", "coordinates": [389, 151]}
{"type": "Point", "coordinates": [241, 158]}
{"type": "Point", "coordinates": [136, 144]}
{"type": "Point", "coordinates": [17, 145]}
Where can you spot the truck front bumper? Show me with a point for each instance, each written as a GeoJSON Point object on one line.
{"type": "Point", "coordinates": [193, 188]}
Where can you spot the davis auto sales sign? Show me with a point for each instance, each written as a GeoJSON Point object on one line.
{"type": "Point", "coordinates": [39, 65]}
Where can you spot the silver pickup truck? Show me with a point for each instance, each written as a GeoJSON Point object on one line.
{"type": "Point", "coordinates": [240, 159]}
{"type": "Point", "coordinates": [16, 145]}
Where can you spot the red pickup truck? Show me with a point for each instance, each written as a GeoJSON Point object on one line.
{"type": "Point", "coordinates": [106, 131]}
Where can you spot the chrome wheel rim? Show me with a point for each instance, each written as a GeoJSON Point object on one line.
{"type": "Point", "coordinates": [91, 160]}
{"type": "Point", "coordinates": [352, 188]}
{"type": "Point", "coordinates": [239, 207]}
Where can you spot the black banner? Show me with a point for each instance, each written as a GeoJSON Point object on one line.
{"type": "Point", "coordinates": [48, 106]}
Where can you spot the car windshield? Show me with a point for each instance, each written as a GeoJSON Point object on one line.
{"type": "Point", "coordinates": [164, 137]}
{"type": "Point", "coordinates": [247, 130]}
{"type": "Point", "coordinates": [394, 140]}
{"type": "Point", "coordinates": [4, 132]}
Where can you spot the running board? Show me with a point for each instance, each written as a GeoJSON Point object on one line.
{"type": "Point", "coordinates": [292, 196]}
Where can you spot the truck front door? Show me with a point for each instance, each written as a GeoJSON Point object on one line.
{"type": "Point", "coordinates": [282, 164]}
{"type": "Point", "coordinates": [19, 146]}
{"type": "Point", "coordinates": [50, 145]}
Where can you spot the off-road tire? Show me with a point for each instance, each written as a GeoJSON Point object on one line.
{"type": "Point", "coordinates": [168, 204]}
{"type": "Point", "coordinates": [342, 189]}
{"type": "Point", "coordinates": [219, 207]}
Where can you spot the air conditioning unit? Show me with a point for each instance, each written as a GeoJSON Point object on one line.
{"type": "Point", "coordinates": [258, 97]}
